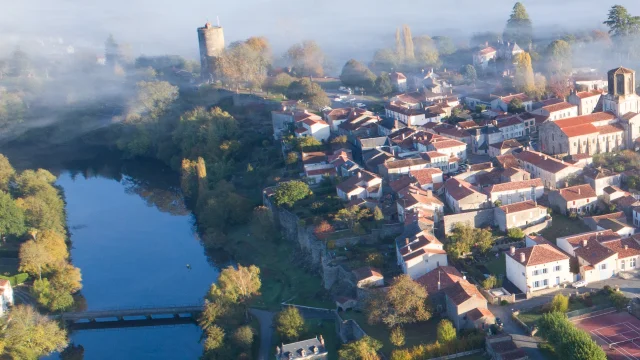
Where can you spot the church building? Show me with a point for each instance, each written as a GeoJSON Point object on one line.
{"type": "Point", "coordinates": [615, 128]}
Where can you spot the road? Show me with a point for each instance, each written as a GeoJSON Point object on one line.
{"type": "Point", "coordinates": [266, 331]}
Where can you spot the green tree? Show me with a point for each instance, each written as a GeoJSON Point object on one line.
{"type": "Point", "coordinates": [444, 45]}
{"type": "Point", "coordinates": [364, 349]}
{"type": "Point", "coordinates": [243, 337]}
{"type": "Point", "coordinates": [377, 214]}
{"type": "Point", "coordinates": [354, 73]}
{"type": "Point", "coordinates": [559, 56]}
{"type": "Point", "coordinates": [489, 283]}
{"type": "Point", "coordinates": [445, 331]}
{"type": "Point", "coordinates": [289, 323]}
{"type": "Point", "coordinates": [383, 84]}
{"type": "Point", "coordinates": [469, 73]}
{"type": "Point", "coordinates": [519, 28]}
{"type": "Point", "coordinates": [404, 302]}
{"type": "Point", "coordinates": [289, 192]}
{"type": "Point", "coordinates": [618, 300]}
{"type": "Point", "coordinates": [397, 336]}
{"type": "Point", "coordinates": [622, 24]}
{"type": "Point", "coordinates": [309, 91]}
{"type": "Point", "coordinates": [483, 240]}
{"type": "Point", "coordinates": [152, 99]}
{"type": "Point", "coordinates": [11, 217]}
{"type": "Point", "coordinates": [292, 158]}
{"type": "Point", "coordinates": [214, 339]}
{"type": "Point", "coordinates": [384, 60]}
{"type": "Point", "coordinates": [30, 335]}
{"type": "Point", "coordinates": [560, 303]}
{"type": "Point", "coordinates": [352, 216]}
{"type": "Point", "coordinates": [515, 233]}
{"type": "Point", "coordinates": [523, 78]}
{"type": "Point", "coordinates": [280, 83]}
{"type": "Point", "coordinates": [237, 285]}
{"type": "Point", "coordinates": [6, 173]}
{"type": "Point", "coordinates": [425, 50]}
{"type": "Point", "coordinates": [72, 352]}
{"type": "Point", "coordinates": [306, 59]}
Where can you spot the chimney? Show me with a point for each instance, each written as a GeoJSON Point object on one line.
{"type": "Point", "coordinates": [464, 277]}
{"type": "Point", "coordinates": [459, 185]}
{"type": "Point", "coordinates": [486, 44]}
{"type": "Point", "coordinates": [522, 257]}
{"type": "Point", "coordinates": [584, 243]}
{"type": "Point", "coordinates": [512, 250]}
{"type": "Point", "coordinates": [491, 165]}
{"type": "Point", "coordinates": [626, 247]}
{"type": "Point", "coordinates": [406, 241]}
{"type": "Point", "coordinates": [578, 191]}
{"type": "Point", "coordinates": [429, 193]}
{"type": "Point", "coordinates": [395, 124]}
{"type": "Point", "coordinates": [321, 340]}
{"type": "Point", "coordinates": [359, 175]}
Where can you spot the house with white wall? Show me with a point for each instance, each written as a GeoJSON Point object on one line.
{"type": "Point", "coordinates": [519, 215]}
{"type": "Point", "coordinates": [515, 191]}
{"type": "Point", "coordinates": [362, 185]}
{"type": "Point", "coordinates": [553, 172]}
{"type": "Point", "coordinates": [413, 198]}
{"type": "Point", "coordinates": [557, 110]}
{"type": "Point", "coordinates": [419, 254]}
{"type": "Point", "coordinates": [600, 178]}
{"type": "Point", "coordinates": [537, 267]}
{"type": "Point", "coordinates": [6, 296]}
{"type": "Point", "coordinates": [581, 199]}
{"type": "Point", "coordinates": [502, 102]}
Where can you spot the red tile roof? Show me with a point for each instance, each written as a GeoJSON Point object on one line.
{"type": "Point", "coordinates": [538, 254]}
{"type": "Point", "coordinates": [609, 129]}
{"type": "Point", "coordinates": [462, 291]}
{"type": "Point", "coordinates": [447, 275]}
{"type": "Point", "coordinates": [486, 51]}
{"type": "Point", "coordinates": [459, 189]}
{"type": "Point", "coordinates": [515, 185]}
{"type": "Point", "coordinates": [580, 130]}
{"type": "Point", "coordinates": [577, 192]}
{"type": "Point", "coordinates": [558, 106]}
{"type": "Point", "coordinates": [479, 313]}
{"type": "Point", "coordinates": [398, 76]}
{"type": "Point", "coordinates": [510, 121]}
{"type": "Point", "coordinates": [541, 161]}
{"type": "Point", "coordinates": [520, 206]}
{"type": "Point", "coordinates": [400, 184]}
{"type": "Point", "coordinates": [425, 176]}
{"type": "Point", "coordinates": [366, 272]}
{"type": "Point", "coordinates": [584, 119]}
{"type": "Point", "coordinates": [604, 235]}
{"type": "Point", "coordinates": [624, 247]}
{"type": "Point", "coordinates": [588, 94]}
{"type": "Point", "coordinates": [594, 252]}
{"type": "Point", "coordinates": [446, 144]}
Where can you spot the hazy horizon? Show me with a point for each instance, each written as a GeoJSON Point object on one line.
{"type": "Point", "coordinates": [343, 30]}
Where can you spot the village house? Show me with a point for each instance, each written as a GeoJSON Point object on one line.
{"type": "Point", "coordinates": [532, 122]}
{"type": "Point", "coordinates": [316, 166]}
{"type": "Point", "coordinates": [553, 172]}
{"type": "Point", "coordinates": [441, 161]}
{"type": "Point", "coordinates": [484, 136]}
{"type": "Point", "coordinates": [616, 222]}
{"type": "Point", "coordinates": [461, 196]}
{"type": "Point", "coordinates": [502, 102]}
{"type": "Point", "coordinates": [419, 254]}
{"type": "Point", "coordinates": [589, 81]}
{"type": "Point", "coordinates": [612, 193]}
{"type": "Point", "coordinates": [482, 57]}
{"type": "Point", "coordinates": [428, 179]}
{"type": "Point", "coordinates": [449, 131]}
{"type": "Point", "coordinates": [394, 168]}
{"type": "Point", "coordinates": [537, 267]}
{"type": "Point", "coordinates": [478, 99]}
{"type": "Point", "coordinates": [359, 124]}
{"type": "Point", "coordinates": [557, 110]}
{"type": "Point", "coordinates": [313, 127]}
{"type": "Point", "coordinates": [513, 174]}
{"type": "Point", "coordinates": [516, 191]}
{"type": "Point", "coordinates": [519, 215]}
{"type": "Point", "coordinates": [335, 117]}
{"type": "Point", "coordinates": [6, 296]}
{"type": "Point", "coordinates": [463, 302]}
{"type": "Point", "coordinates": [398, 81]}
{"type": "Point", "coordinates": [453, 148]}
{"type": "Point", "coordinates": [311, 349]}
{"type": "Point", "coordinates": [412, 198]}
{"type": "Point", "coordinates": [368, 277]}
{"type": "Point", "coordinates": [510, 128]}
{"type": "Point", "coordinates": [436, 281]}
{"type": "Point", "coordinates": [504, 147]}
{"type": "Point", "coordinates": [586, 101]}
{"type": "Point", "coordinates": [600, 178]}
{"type": "Point", "coordinates": [508, 51]}
{"type": "Point", "coordinates": [502, 347]}
{"type": "Point", "coordinates": [581, 199]}
{"type": "Point", "coordinates": [363, 184]}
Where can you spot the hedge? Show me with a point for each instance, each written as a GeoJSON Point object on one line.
{"type": "Point", "coordinates": [16, 279]}
{"type": "Point", "coordinates": [428, 351]}
{"type": "Point", "coordinates": [569, 342]}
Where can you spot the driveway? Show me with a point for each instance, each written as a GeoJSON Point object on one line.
{"type": "Point", "coordinates": [520, 337]}
{"type": "Point", "coordinates": [266, 331]}
{"type": "Point", "coordinates": [629, 287]}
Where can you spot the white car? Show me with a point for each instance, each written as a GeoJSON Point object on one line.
{"type": "Point", "coordinates": [579, 284]}
{"type": "Point", "coordinates": [360, 105]}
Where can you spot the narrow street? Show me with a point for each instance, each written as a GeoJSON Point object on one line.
{"type": "Point", "coordinates": [266, 331]}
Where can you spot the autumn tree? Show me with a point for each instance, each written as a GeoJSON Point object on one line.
{"type": "Point", "coordinates": [523, 79]}
{"type": "Point", "coordinates": [559, 57]}
{"type": "Point", "coordinates": [322, 229]}
{"type": "Point", "coordinates": [289, 192]}
{"type": "Point", "coordinates": [243, 337]}
{"type": "Point", "coordinates": [559, 86]}
{"type": "Point", "coordinates": [280, 83]}
{"type": "Point", "coordinates": [237, 285]}
{"type": "Point", "coordinates": [445, 331]}
{"type": "Point", "coordinates": [404, 302]}
{"type": "Point", "coordinates": [377, 214]}
{"type": "Point", "coordinates": [560, 303]}
{"type": "Point", "coordinates": [490, 282]}
{"type": "Point", "coordinates": [515, 106]}
{"type": "Point", "coordinates": [6, 173]}
{"type": "Point", "coordinates": [352, 216]}
{"type": "Point", "coordinates": [425, 50]}
{"type": "Point", "coordinates": [399, 50]}
{"type": "Point", "coordinates": [306, 59]}
{"type": "Point", "coordinates": [383, 84]}
{"type": "Point", "coordinates": [245, 63]}
{"type": "Point", "coordinates": [384, 60]}
{"type": "Point", "coordinates": [409, 54]}
{"type": "Point", "coordinates": [397, 336]}
{"type": "Point", "coordinates": [46, 253]}
{"type": "Point", "coordinates": [289, 323]}
{"type": "Point", "coordinates": [364, 349]}
{"type": "Point", "coordinates": [540, 87]}
{"type": "Point", "coordinates": [30, 335]}
{"type": "Point", "coordinates": [444, 45]}
{"type": "Point", "coordinates": [356, 74]}
{"type": "Point", "coordinates": [519, 28]}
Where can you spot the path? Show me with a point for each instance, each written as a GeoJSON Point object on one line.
{"type": "Point", "coordinates": [520, 337]}
{"type": "Point", "coordinates": [23, 295]}
{"type": "Point", "coordinates": [266, 331]}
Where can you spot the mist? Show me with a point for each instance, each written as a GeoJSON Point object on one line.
{"type": "Point", "coordinates": [344, 29]}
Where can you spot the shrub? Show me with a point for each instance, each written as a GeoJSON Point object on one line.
{"type": "Point", "coordinates": [573, 215]}
{"type": "Point", "coordinates": [490, 282]}
{"type": "Point", "coordinates": [397, 336]}
{"type": "Point", "coordinates": [560, 303]}
{"type": "Point", "coordinates": [618, 300]}
{"type": "Point", "coordinates": [16, 279]}
{"type": "Point", "coordinates": [504, 303]}
{"type": "Point", "coordinates": [515, 233]}
{"type": "Point", "coordinates": [445, 331]}
{"type": "Point", "coordinates": [568, 341]}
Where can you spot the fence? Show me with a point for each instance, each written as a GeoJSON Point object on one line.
{"type": "Point", "coordinates": [461, 354]}
{"type": "Point", "coordinates": [589, 310]}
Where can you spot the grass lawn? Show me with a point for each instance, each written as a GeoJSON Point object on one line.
{"type": "Point", "coordinates": [497, 266]}
{"type": "Point", "coordinates": [313, 328]}
{"type": "Point", "coordinates": [563, 226]}
{"type": "Point", "coordinates": [415, 334]}
{"type": "Point", "coordinates": [532, 316]}
{"type": "Point", "coordinates": [281, 279]}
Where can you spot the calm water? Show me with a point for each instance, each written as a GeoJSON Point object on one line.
{"type": "Point", "coordinates": [132, 240]}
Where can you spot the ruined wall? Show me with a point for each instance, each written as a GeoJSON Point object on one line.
{"type": "Point", "coordinates": [348, 330]}
{"type": "Point", "coordinates": [478, 218]}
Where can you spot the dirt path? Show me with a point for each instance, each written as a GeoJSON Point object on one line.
{"type": "Point", "coordinates": [266, 332]}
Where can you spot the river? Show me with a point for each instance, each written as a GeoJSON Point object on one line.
{"type": "Point", "coordinates": [132, 238]}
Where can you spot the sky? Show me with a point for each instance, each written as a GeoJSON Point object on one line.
{"type": "Point", "coordinates": [342, 28]}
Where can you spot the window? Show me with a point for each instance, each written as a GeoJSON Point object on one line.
{"type": "Point", "coordinates": [556, 268]}
{"type": "Point", "coordinates": [545, 282]}
{"type": "Point", "coordinates": [536, 284]}
{"type": "Point", "coordinates": [603, 267]}
{"type": "Point", "coordinates": [544, 271]}
{"type": "Point", "coordinates": [535, 272]}
{"type": "Point", "coordinates": [632, 263]}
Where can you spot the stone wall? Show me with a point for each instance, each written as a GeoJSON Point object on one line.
{"type": "Point", "coordinates": [477, 218]}
{"type": "Point", "coordinates": [348, 330]}
{"type": "Point", "coordinates": [387, 230]}
{"type": "Point", "coordinates": [537, 228]}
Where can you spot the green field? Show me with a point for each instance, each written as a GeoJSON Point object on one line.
{"type": "Point", "coordinates": [563, 226]}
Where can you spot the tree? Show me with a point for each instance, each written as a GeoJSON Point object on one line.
{"type": "Point", "coordinates": [559, 86]}
{"type": "Point", "coordinates": [469, 73]}
{"type": "Point", "coordinates": [305, 142]}
{"type": "Point", "coordinates": [622, 24]}
{"type": "Point", "coordinates": [540, 88]}
{"type": "Point", "coordinates": [262, 225]}
{"type": "Point", "coordinates": [445, 45]}
{"type": "Point", "coordinates": [340, 139]}
{"type": "Point", "coordinates": [6, 173]}
{"type": "Point", "coordinates": [489, 283]}
{"type": "Point", "coordinates": [306, 59]}
{"type": "Point", "coordinates": [405, 302]}
{"type": "Point", "coordinates": [484, 240]}
{"type": "Point", "coordinates": [243, 337]}
{"type": "Point", "coordinates": [289, 323]}
{"type": "Point", "coordinates": [523, 78]}
{"type": "Point", "coordinates": [384, 60]}
{"type": "Point", "coordinates": [214, 338]}
{"type": "Point", "coordinates": [519, 28]}
{"type": "Point", "coordinates": [464, 237]}
{"type": "Point", "coordinates": [280, 83]}
{"type": "Point", "coordinates": [356, 74]}
{"type": "Point", "coordinates": [364, 349]}
{"type": "Point", "coordinates": [352, 216]}
{"type": "Point", "coordinates": [377, 214]}
{"type": "Point", "coordinates": [152, 100]}
{"type": "Point", "coordinates": [445, 331]}
{"type": "Point", "coordinates": [323, 229]}
{"type": "Point", "coordinates": [399, 47]}
{"type": "Point", "coordinates": [425, 50]}
{"type": "Point", "coordinates": [245, 63]}
{"type": "Point", "coordinates": [292, 158]}
{"type": "Point", "coordinates": [568, 341]}
{"type": "Point", "coordinates": [72, 352]}
{"type": "Point", "coordinates": [11, 217]}
{"type": "Point", "coordinates": [51, 296]}
{"type": "Point", "coordinates": [237, 285]}
{"type": "Point", "coordinates": [409, 54]}
{"type": "Point", "coordinates": [515, 233]}
{"type": "Point", "coordinates": [618, 300]}
{"type": "Point", "coordinates": [559, 57]}
{"type": "Point", "coordinates": [308, 91]}
{"type": "Point", "coordinates": [34, 257]}
{"type": "Point", "coordinates": [560, 303]}
{"type": "Point", "coordinates": [383, 84]}
{"type": "Point", "coordinates": [30, 335]}
{"type": "Point", "coordinates": [397, 336]}
{"type": "Point", "coordinates": [289, 192]}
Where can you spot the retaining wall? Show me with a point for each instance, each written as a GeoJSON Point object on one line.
{"type": "Point", "coordinates": [478, 219]}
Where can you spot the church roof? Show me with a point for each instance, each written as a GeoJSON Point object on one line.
{"type": "Point", "coordinates": [620, 70]}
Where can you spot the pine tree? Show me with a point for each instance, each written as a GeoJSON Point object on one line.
{"type": "Point", "coordinates": [519, 28]}
{"type": "Point", "coordinates": [409, 53]}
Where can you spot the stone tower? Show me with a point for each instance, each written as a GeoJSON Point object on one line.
{"type": "Point", "coordinates": [622, 97]}
{"type": "Point", "coordinates": [211, 41]}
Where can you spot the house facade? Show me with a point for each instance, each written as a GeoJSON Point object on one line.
{"type": "Point", "coordinates": [516, 191]}
{"type": "Point", "coordinates": [553, 172]}
{"type": "Point", "coordinates": [537, 267]}
{"type": "Point", "coordinates": [362, 185]}
{"type": "Point", "coordinates": [557, 111]}
{"type": "Point", "coordinates": [586, 101]}
{"type": "Point", "coordinates": [461, 196]}
{"type": "Point", "coordinates": [519, 215]}
{"type": "Point", "coordinates": [419, 254]}
{"type": "Point", "coordinates": [462, 298]}
{"type": "Point", "coordinates": [581, 199]}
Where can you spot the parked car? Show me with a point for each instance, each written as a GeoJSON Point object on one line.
{"type": "Point", "coordinates": [360, 105]}
{"type": "Point", "coordinates": [579, 284]}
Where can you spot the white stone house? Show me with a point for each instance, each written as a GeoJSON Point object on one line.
{"type": "Point", "coordinates": [420, 254]}
{"type": "Point", "coordinates": [537, 267]}
{"type": "Point", "coordinates": [586, 101]}
{"type": "Point", "coordinates": [362, 185]}
{"type": "Point", "coordinates": [581, 199]}
{"type": "Point", "coordinates": [553, 172]}
{"type": "Point", "coordinates": [557, 111]}
{"type": "Point", "coordinates": [502, 102]}
{"type": "Point", "coordinates": [399, 81]}
{"type": "Point", "coordinates": [452, 148]}
{"type": "Point", "coordinates": [511, 127]}
{"type": "Point", "coordinates": [413, 198]}
{"type": "Point", "coordinates": [519, 215]}
{"type": "Point", "coordinates": [516, 191]}
{"type": "Point", "coordinates": [318, 129]}
{"type": "Point", "coordinates": [600, 178]}
{"type": "Point", "coordinates": [481, 58]}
